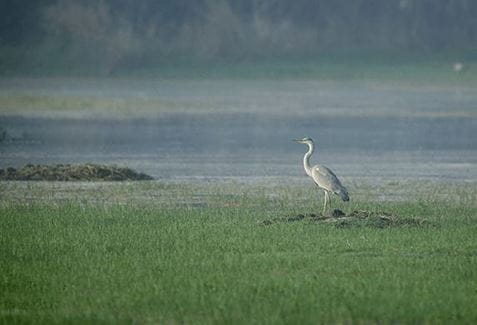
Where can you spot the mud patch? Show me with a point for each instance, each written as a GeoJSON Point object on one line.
{"type": "Point", "coordinates": [357, 218]}
{"type": "Point", "coordinates": [84, 172]}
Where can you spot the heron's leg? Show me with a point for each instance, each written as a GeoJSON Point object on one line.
{"type": "Point", "coordinates": [326, 199]}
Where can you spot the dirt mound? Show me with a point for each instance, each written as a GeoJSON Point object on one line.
{"type": "Point", "coordinates": [357, 218]}
{"type": "Point", "coordinates": [85, 172]}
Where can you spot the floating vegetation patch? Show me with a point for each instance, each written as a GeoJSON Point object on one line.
{"type": "Point", "coordinates": [84, 172]}
{"type": "Point", "coordinates": [357, 218]}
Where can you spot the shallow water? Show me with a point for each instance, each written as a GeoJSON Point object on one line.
{"type": "Point", "coordinates": [241, 129]}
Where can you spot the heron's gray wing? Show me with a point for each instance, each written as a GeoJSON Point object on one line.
{"type": "Point", "coordinates": [326, 179]}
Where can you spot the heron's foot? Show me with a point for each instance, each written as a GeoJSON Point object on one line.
{"type": "Point", "coordinates": [337, 213]}
{"type": "Point", "coordinates": [334, 213]}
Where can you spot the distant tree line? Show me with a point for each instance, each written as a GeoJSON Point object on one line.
{"type": "Point", "coordinates": [118, 31]}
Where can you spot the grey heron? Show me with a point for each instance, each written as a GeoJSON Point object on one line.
{"type": "Point", "coordinates": [322, 175]}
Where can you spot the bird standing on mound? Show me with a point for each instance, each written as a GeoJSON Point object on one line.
{"type": "Point", "coordinates": [322, 176]}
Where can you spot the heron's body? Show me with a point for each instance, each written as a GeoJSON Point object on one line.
{"type": "Point", "coordinates": [322, 175]}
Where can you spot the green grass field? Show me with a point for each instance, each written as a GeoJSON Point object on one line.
{"type": "Point", "coordinates": [195, 253]}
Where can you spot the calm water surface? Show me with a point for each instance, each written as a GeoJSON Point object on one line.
{"type": "Point", "coordinates": [362, 131]}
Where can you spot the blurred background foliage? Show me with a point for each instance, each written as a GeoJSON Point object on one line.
{"type": "Point", "coordinates": [109, 36]}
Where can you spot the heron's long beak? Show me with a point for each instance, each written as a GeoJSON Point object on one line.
{"type": "Point", "coordinates": [296, 140]}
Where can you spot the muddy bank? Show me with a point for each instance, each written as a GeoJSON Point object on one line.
{"type": "Point", "coordinates": [84, 172]}
{"type": "Point", "coordinates": [357, 218]}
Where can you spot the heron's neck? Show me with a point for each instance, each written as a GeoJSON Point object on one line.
{"type": "Point", "coordinates": [306, 159]}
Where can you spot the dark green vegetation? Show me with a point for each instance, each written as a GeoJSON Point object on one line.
{"type": "Point", "coordinates": [84, 172]}
{"type": "Point", "coordinates": [173, 259]}
{"type": "Point", "coordinates": [116, 37]}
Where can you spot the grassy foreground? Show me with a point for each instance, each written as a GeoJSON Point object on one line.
{"type": "Point", "coordinates": [211, 262]}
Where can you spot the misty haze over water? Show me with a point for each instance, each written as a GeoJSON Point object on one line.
{"type": "Point", "coordinates": [218, 88]}
{"type": "Point", "coordinates": [244, 129]}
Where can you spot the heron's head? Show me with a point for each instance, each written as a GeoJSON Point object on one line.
{"type": "Point", "coordinates": [306, 140]}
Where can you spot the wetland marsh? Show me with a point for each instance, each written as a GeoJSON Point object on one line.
{"type": "Point", "coordinates": [190, 246]}
{"type": "Point", "coordinates": [148, 173]}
